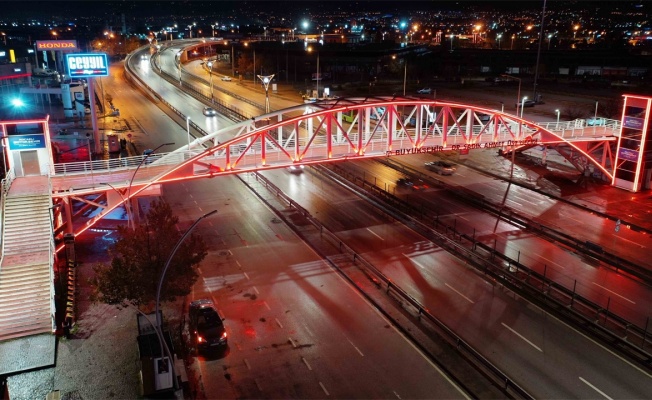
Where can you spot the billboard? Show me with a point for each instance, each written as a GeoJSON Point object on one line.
{"type": "Point", "coordinates": [26, 142]}
{"type": "Point", "coordinates": [56, 45]}
{"type": "Point", "coordinates": [82, 65]}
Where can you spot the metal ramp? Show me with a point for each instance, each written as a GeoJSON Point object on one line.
{"type": "Point", "coordinates": [27, 309]}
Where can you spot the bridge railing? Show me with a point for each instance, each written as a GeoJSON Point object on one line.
{"type": "Point", "coordinates": [580, 128]}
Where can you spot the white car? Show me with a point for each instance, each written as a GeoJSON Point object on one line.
{"type": "Point", "coordinates": [441, 167]}
{"type": "Point", "coordinates": [226, 78]}
{"type": "Point", "coordinates": [210, 112]}
{"type": "Point", "coordinates": [424, 91]}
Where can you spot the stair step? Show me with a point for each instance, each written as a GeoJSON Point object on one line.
{"type": "Point", "coordinates": [22, 307]}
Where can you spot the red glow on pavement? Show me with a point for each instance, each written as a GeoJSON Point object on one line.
{"type": "Point", "coordinates": [250, 331]}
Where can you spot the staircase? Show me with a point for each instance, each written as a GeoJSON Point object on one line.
{"type": "Point", "coordinates": [26, 276]}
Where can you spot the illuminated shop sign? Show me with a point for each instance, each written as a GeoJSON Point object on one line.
{"type": "Point", "coordinates": [87, 65]}
{"type": "Point", "coordinates": [56, 45]}
{"type": "Point", "coordinates": [628, 154]}
{"type": "Point", "coordinates": [633, 122]}
{"type": "Point", "coordinates": [26, 142]}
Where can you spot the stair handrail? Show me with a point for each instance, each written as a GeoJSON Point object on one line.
{"type": "Point", "coordinates": [6, 184]}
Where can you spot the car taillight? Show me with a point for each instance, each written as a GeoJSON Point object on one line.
{"type": "Point", "coordinates": [200, 339]}
{"type": "Point", "coordinates": [224, 335]}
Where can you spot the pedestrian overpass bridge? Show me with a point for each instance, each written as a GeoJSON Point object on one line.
{"type": "Point", "coordinates": [325, 131]}
{"type": "Point", "coordinates": [328, 131]}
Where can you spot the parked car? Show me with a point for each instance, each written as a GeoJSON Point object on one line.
{"type": "Point", "coordinates": [441, 167]}
{"type": "Point", "coordinates": [206, 326]}
{"type": "Point", "coordinates": [210, 112]}
{"type": "Point", "coordinates": [424, 91]}
{"type": "Point", "coordinates": [526, 103]}
{"type": "Point", "coordinates": [226, 78]}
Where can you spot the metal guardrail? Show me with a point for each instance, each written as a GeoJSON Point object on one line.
{"type": "Point", "coordinates": [502, 381]}
{"type": "Point", "coordinates": [616, 331]}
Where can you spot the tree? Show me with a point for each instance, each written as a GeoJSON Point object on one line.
{"type": "Point", "coordinates": [139, 256]}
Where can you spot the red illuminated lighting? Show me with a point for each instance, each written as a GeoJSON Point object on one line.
{"type": "Point", "coordinates": [15, 76]}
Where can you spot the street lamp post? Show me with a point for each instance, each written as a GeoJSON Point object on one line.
{"type": "Point", "coordinates": [557, 112]}
{"type": "Point", "coordinates": [404, 77]}
{"type": "Point", "coordinates": [512, 47]}
{"type": "Point", "coordinates": [266, 80]}
{"type": "Point", "coordinates": [499, 36]}
{"type": "Point", "coordinates": [210, 73]}
{"type": "Point", "coordinates": [595, 117]}
{"type": "Point", "coordinates": [179, 66]}
{"type": "Point", "coordinates": [452, 37]}
{"type": "Point", "coordinates": [309, 51]}
{"type": "Point", "coordinates": [158, 292]}
{"type": "Point", "coordinates": [523, 105]}
{"type": "Point", "coordinates": [518, 95]}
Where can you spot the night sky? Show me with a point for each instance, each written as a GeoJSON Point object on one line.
{"type": "Point", "coordinates": [158, 8]}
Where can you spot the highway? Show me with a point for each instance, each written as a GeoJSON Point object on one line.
{"type": "Point", "coordinates": [291, 320]}
{"type": "Point", "coordinates": [275, 294]}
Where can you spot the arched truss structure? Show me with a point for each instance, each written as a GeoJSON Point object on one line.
{"type": "Point", "coordinates": [332, 130]}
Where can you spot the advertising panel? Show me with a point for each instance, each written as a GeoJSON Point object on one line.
{"type": "Point", "coordinates": [26, 142]}
{"type": "Point", "coordinates": [633, 122]}
{"type": "Point", "coordinates": [56, 45]}
{"type": "Point", "coordinates": [87, 65]}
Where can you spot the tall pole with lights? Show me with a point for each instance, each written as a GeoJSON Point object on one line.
{"type": "Point", "coordinates": [536, 67]}
{"type": "Point", "coordinates": [210, 73]}
{"type": "Point", "coordinates": [266, 79]}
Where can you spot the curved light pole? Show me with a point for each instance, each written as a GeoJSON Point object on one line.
{"type": "Point", "coordinates": [160, 285]}
{"type": "Point", "coordinates": [523, 105]}
{"type": "Point", "coordinates": [518, 95]}
{"type": "Point", "coordinates": [557, 112]}
{"type": "Point", "coordinates": [131, 181]}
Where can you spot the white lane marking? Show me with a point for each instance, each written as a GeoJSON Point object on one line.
{"type": "Point", "coordinates": [247, 364]}
{"type": "Point", "coordinates": [256, 290]}
{"type": "Point", "coordinates": [627, 240]}
{"type": "Point", "coordinates": [522, 337]}
{"type": "Point", "coordinates": [258, 385]}
{"type": "Point", "coordinates": [454, 290]}
{"type": "Point", "coordinates": [396, 394]}
{"type": "Point", "coordinates": [279, 323]}
{"type": "Point", "coordinates": [408, 341]}
{"type": "Point", "coordinates": [309, 331]}
{"type": "Point", "coordinates": [200, 209]}
{"type": "Point", "coordinates": [324, 389]}
{"type": "Point", "coordinates": [595, 388]}
{"type": "Point", "coordinates": [355, 347]}
{"type": "Point", "coordinates": [611, 291]}
{"type": "Point", "coordinates": [461, 217]}
{"type": "Point", "coordinates": [525, 200]}
{"type": "Point", "coordinates": [373, 233]}
{"type": "Point", "coordinates": [306, 362]}
{"type": "Point", "coordinates": [267, 305]}
{"type": "Point", "coordinates": [292, 342]}
{"type": "Point", "coordinates": [413, 261]}
{"type": "Point", "coordinates": [246, 276]}
{"type": "Point", "coordinates": [551, 262]}
{"type": "Point", "coordinates": [240, 266]}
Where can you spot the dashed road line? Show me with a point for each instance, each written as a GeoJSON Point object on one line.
{"type": "Point", "coordinates": [306, 362]}
{"type": "Point", "coordinates": [279, 323]}
{"type": "Point", "coordinates": [324, 389]}
{"type": "Point", "coordinates": [611, 291]}
{"type": "Point", "coordinates": [463, 296]}
{"type": "Point", "coordinates": [522, 337]}
{"type": "Point", "coordinates": [595, 388]}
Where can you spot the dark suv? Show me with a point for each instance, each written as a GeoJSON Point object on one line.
{"type": "Point", "coordinates": [206, 328]}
